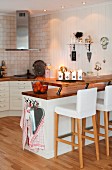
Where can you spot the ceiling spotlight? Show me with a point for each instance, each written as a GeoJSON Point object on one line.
{"type": "Point", "coordinates": [62, 7]}
{"type": "Point", "coordinates": [83, 3]}
{"type": "Point", "coordinates": [45, 10]}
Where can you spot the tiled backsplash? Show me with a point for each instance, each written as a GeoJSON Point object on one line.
{"type": "Point", "coordinates": [39, 39]}
{"type": "Point", "coordinates": [7, 32]}
{"type": "Point", "coordinates": [18, 62]}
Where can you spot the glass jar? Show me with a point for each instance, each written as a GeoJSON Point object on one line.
{"type": "Point", "coordinates": [47, 71]}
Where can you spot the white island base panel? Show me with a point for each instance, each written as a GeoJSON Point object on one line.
{"type": "Point", "coordinates": [64, 125]}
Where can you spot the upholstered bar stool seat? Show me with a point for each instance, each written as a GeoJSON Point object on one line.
{"type": "Point", "coordinates": [83, 108]}
{"type": "Point", "coordinates": [68, 110]}
{"type": "Point", "coordinates": [104, 104]}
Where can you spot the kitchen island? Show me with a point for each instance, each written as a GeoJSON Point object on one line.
{"type": "Point", "coordinates": [48, 105]}
{"type": "Point", "coordinates": [48, 102]}
{"type": "Point", "coordinates": [64, 92]}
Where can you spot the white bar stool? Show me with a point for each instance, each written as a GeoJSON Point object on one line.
{"type": "Point", "coordinates": [104, 104]}
{"type": "Point", "coordinates": [85, 107]}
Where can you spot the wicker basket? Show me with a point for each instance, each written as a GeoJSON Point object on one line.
{"type": "Point", "coordinates": [39, 87]}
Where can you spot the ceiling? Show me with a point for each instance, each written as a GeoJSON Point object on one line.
{"type": "Point", "coordinates": [37, 6]}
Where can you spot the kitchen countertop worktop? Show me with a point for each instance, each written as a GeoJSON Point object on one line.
{"type": "Point", "coordinates": [12, 78]}
{"type": "Point", "coordinates": [66, 91]}
{"type": "Point", "coordinates": [4, 79]}
{"type": "Point", "coordinates": [65, 88]}
{"type": "Point", "coordinates": [70, 88]}
{"type": "Point", "coordinates": [84, 81]}
{"type": "Point", "coordinates": [52, 81]}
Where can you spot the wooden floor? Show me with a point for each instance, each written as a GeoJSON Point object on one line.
{"type": "Point", "coordinates": [12, 157]}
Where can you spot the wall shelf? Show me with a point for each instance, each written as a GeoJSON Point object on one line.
{"type": "Point", "coordinates": [87, 45]}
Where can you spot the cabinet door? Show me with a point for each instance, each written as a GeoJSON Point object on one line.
{"type": "Point", "coordinates": [16, 89]}
{"type": "Point", "coordinates": [4, 104]}
{"type": "Point", "coordinates": [4, 96]}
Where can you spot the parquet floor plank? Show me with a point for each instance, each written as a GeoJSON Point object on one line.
{"type": "Point", "coordinates": [12, 157]}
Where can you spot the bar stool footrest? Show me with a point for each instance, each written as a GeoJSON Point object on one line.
{"type": "Point", "coordinates": [89, 138]}
{"type": "Point", "coordinates": [67, 142]}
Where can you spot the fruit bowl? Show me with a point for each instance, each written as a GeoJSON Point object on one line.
{"type": "Point", "coordinates": [39, 87]}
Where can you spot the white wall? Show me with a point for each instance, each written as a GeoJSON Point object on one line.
{"type": "Point", "coordinates": [94, 21]}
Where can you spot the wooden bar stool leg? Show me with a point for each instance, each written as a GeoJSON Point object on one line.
{"type": "Point", "coordinates": [106, 132]}
{"type": "Point", "coordinates": [80, 142]}
{"type": "Point", "coordinates": [98, 123]}
{"type": "Point", "coordinates": [73, 130]}
{"type": "Point", "coordinates": [108, 117]}
{"type": "Point", "coordinates": [95, 136]}
{"type": "Point", "coordinates": [83, 130]}
{"type": "Point", "coordinates": [56, 134]}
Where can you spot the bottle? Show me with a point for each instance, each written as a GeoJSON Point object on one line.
{"type": "Point", "coordinates": [3, 68]}
{"type": "Point", "coordinates": [47, 71]}
{"type": "Point", "coordinates": [3, 63]}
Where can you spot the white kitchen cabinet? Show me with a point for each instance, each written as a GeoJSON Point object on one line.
{"type": "Point", "coordinates": [4, 96]}
{"type": "Point", "coordinates": [16, 89]}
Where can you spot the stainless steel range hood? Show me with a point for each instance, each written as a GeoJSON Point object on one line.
{"type": "Point", "coordinates": [22, 31]}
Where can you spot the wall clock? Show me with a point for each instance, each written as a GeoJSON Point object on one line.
{"type": "Point", "coordinates": [104, 42]}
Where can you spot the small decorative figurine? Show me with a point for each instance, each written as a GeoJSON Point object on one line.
{"type": "Point", "coordinates": [97, 67]}
{"type": "Point", "coordinates": [88, 39]}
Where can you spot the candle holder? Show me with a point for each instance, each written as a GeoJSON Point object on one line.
{"type": "Point", "coordinates": [74, 75]}
{"type": "Point", "coordinates": [60, 75]}
{"type": "Point", "coordinates": [67, 75]}
{"type": "Point", "coordinates": [79, 74]}
{"type": "Point", "coordinates": [63, 69]}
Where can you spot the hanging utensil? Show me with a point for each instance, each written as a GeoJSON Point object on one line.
{"type": "Point", "coordinates": [73, 54]}
{"type": "Point", "coordinates": [89, 54]}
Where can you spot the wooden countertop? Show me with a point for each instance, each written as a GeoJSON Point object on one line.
{"type": "Point", "coordinates": [12, 78]}
{"type": "Point", "coordinates": [67, 88]}
{"type": "Point", "coordinates": [86, 80]}
{"type": "Point", "coordinates": [97, 79]}
{"type": "Point", "coordinates": [4, 79]}
{"type": "Point", "coordinates": [52, 81]}
{"type": "Point", "coordinates": [66, 91]}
